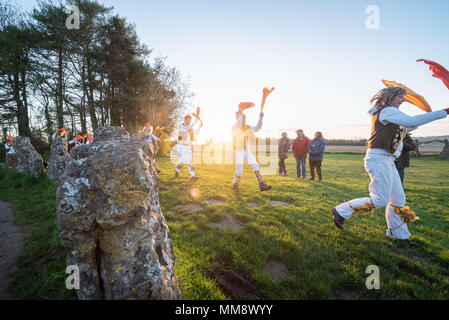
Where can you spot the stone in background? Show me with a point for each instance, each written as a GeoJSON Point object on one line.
{"type": "Point", "coordinates": [58, 157]}
{"type": "Point", "coordinates": [26, 159]}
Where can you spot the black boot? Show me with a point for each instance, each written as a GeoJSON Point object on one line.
{"type": "Point", "coordinates": [410, 243]}
{"type": "Point", "coordinates": [338, 219]}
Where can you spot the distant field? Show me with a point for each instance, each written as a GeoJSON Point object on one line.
{"type": "Point", "coordinates": [425, 149]}
{"type": "Point", "coordinates": [280, 244]}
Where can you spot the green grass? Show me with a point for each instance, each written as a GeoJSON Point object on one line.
{"type": "Point", "coordinates": [41, 264]}
{"type": "Point", "coordinates": [325, 262]}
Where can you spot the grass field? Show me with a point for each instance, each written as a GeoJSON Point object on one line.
{"type": "Point", "coordinates": [299, 241]}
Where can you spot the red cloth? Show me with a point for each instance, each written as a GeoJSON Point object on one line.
{"type": "Point", "coordinates": [300, 147]}
{"type": "Point", "coordinates": [245, 105]}
{"type": "Point", "coordinates": [438, 71]}
{"type": "Point", "coordinates": [447, 110]}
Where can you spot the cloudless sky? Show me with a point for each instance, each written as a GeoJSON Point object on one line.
{"type": "Point", "coordinates": [323, 61]}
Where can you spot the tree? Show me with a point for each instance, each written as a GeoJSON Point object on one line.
{"type": "Point", "coordinates": [15, 65]}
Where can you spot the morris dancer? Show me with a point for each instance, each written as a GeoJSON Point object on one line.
{"type": "Point", "coordinates": [148, 128]}
{"type": "Point", "coordinates": [8, 145]}
{"type": "Point", "coordinates": [76, 140]}
{"type": "Point", "coordinates": [61, 132]}
{"type": "Point", "coordinates": [186, 135]}
{"type": "Point", "coordinates": [87, 139]}
{"type": "Point", "coordinates": [388, 129]}
{"type": "Point", "coordinates": [242, 135]}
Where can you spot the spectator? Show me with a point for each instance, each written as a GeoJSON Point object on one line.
{"type": "Point", "coordinates": [316, 150]}
{"type": "Point", "coordinates": [284, 145]}
{"type": "Point", "coordinates": [300, 153]}
{"type": "Point", "coordinates": [404, 159]}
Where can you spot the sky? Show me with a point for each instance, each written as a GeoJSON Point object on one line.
{"type": "Point", "coordinates": [323, 61]}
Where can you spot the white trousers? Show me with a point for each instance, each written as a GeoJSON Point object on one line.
{"type": "Point", "coordinates": [385, 190]}
{"type": "Point", "coordinates": [185, 156]}
{"type": "Point", "coordinates": [240, 157]}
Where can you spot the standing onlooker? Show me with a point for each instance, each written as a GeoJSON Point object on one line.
{"type": "Point", "coordinates": [403, 161]}
{"type": "Point", "coordinates": [316, 150]}
{"type": "Point", "coordinates": [300, 152]}
{"type": "Point", "coordinates": [284, 145]}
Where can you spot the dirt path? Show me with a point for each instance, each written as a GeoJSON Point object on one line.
{"type": "Point", "coordinates": [11, 241]}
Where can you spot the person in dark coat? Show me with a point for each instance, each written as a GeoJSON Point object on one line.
{"type": "Point", "coordinates": [284, 145]}
{"type": "Point", "coordinates": [404, 159]}
{"type": "Point", "coordinates": [316, 150]}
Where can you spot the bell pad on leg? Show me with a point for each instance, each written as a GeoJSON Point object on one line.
{"type": "Point", "coordinates": [407, 214]}
{"type": "Point", "coordinates": [364, 209]}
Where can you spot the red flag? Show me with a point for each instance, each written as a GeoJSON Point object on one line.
{"type": "Point", "coordinates": [265, 93]}
{"type": "Point", "coordinates": [438, 71]}
{"type": "Point", "coordinates": [197, 114]}
{"type": "Point", "coordinates": [245, 105]}
{"type": "Point", "coordinates": [62, 132]}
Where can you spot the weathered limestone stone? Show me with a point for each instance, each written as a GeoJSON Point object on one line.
{"type": "Point", "coordinates": [58, 157]}
{"type": "Point", "coordinates": [25, 158]}
{"type": "Point", "coordinates": [110, 220]}
{"type": "Point", "coordinates": [11, 161]}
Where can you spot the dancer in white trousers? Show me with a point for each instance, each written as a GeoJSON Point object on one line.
{"type": "Point", "coordinates": [186, 134]}
{"type": "Point", "coordinates": [389, 126]}
{"type": "Point", "coordinates": [243, 136]}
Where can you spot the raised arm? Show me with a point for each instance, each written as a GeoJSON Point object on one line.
{"type": "Point", "coordinates": [394, 115]}
{"type": "Point", "coordinates": [259, 123]}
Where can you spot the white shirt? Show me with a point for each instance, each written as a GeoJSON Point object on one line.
{"type": "Point", "coordinates": [183, 131]}
{"type": "Point", "coordinates": [9, 148]}
{"type": "Point", "coordinates": [396, 116]}
{"type": "Point", "coordinates": [238, 124]}
{"type": "Point", "coordinates": [255, 128]}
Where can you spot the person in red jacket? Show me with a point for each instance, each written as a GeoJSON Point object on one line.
{"type": "Point", "coordinates": [300, 153]}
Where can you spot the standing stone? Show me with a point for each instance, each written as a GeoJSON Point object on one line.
{"type": "Point", "coordinates": [25, 158]}
{"type": "Point", "coordinates": [110, 220]}
{"type": "Point", "coordinates": [11, 161]}
{"type": "Point", "coordinates": [58, 157]}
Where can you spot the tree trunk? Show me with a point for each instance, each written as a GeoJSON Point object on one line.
{"type": "Point", "coordinates": [59, 96]}
{"type": "Point", "coordinates": [23, 122]}
{"type": "Point", "coordinates": [90, 96]}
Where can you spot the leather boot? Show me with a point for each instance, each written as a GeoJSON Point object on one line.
{"type": "Point", "coordinates": [338, 219]}
{"type": "Point", "coordinates": [264, 187]}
